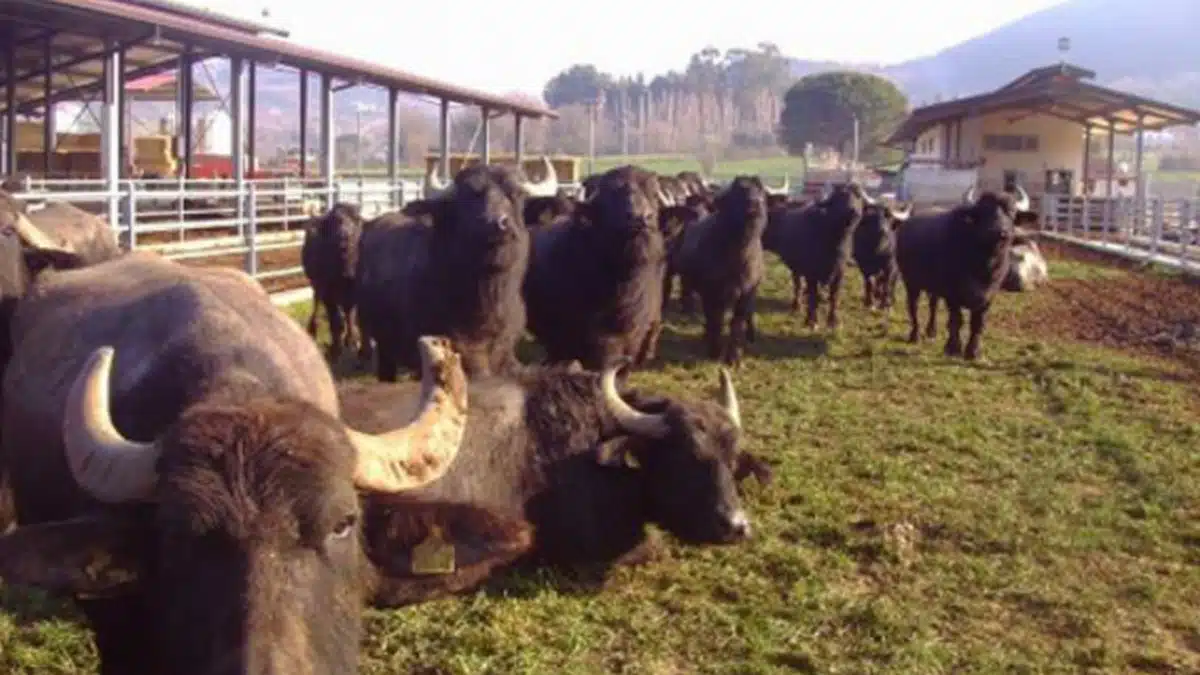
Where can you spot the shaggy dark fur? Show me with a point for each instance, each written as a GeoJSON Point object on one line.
{"type": "Point", "coordinates": [542, 443]}
{"type": "Point", "coordinates": [460, 277]}
{"type": "Point", "coordinates": [541, 211]}
{"type": "Point", "coordinates": [594, 286]}
{"type": "Point", "coordinates": [720, 258]}
{"type": "Point", "coordinates": [960, 256]}
{"type": "Point", "coordinates": [814, 242]}
{"type": "Point", "coordinates": [875, 255]}
{"type": "Point", "coordinates": [249, 557]}
{"type": "Point", "coordinates": [330, 260]}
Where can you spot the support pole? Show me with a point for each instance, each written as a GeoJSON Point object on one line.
{"type": "Point", "coordinates": [8, 162]}
{"type": "Point", "coordinates": [444, 136]}
{"type": "Point", "coordinates": [519, 138]}
{"type": "Point", "coordinates": [393, 145]}
{"type": "Point", "coordinates": [1140, 186]}
{"type": "Point", "coordinates": [303, 123]}
{"type": "Point", "coordinates": [486, 136]}
{"type": "Point", "coordinates": [187, 111]}
{"type": "Point", "coordinates": [237, 144]}
{"type": "Point", "coordinates": [110, 136]}
{"type": "Point", "coordinates": [251, 117]}
{"type": "Point", "coordinates": [48, 117]}
{"type": "Point", "coordinates": [124, 137]}
{"type": "Point", "coordinates": [328, 160]}
{"type": "Point", "coordinates": [1112, 166]}
{"type": "Point", "coordinates": [1087, 159]}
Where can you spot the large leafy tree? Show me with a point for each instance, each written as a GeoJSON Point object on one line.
{"type": "Point", "coordinates": [821, 108]}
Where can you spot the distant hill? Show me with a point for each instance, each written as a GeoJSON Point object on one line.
{"type": "Point", "coordinates": [1150, 48]}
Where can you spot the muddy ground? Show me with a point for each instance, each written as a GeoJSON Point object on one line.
{"type": "Point", "coordinates": [1139, 310]}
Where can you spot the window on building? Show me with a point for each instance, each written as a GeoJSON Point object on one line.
{"type": "Point", "coordinates": [1010, 143]}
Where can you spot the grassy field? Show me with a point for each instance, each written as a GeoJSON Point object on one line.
{"type": "Point", "coordinates": [1034, 513]}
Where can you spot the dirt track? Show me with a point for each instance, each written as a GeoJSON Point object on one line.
{"type": "Point", "coordinates": [1139, 311]}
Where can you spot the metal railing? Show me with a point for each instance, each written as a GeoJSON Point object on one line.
{"type": "Point", "coordinates": [1156, 229]}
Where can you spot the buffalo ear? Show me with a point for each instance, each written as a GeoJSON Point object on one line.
{"type": "Point", "coordinates": [98, 555]}
{"type": "Point", "coordinates": [424, 549]}
{"type": "Point", "coordinates": [747, 465]}
{"type": "Point", "coordinates": [617, 453]}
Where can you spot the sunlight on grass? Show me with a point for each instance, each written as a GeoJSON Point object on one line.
{"type": "Point", "coordinates": [1037, 512]}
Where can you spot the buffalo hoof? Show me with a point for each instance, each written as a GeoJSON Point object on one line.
{"type": "Point", "coordinates": [973, 354]}
{"type": "Point", "coordinates": [914, 337]}
{"type": "Point", "coordinates": [930, 333]}
{"type": "Point", "coordinates": [953, 349]}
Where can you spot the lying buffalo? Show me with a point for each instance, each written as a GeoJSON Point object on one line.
{"type": "Point", "coordinates": [587, 465]}
{"type": "Point", "coordinates": [959, 256]}
{"type": "Point", "coordinates": [180, 469]}
{"type": "Point", "coordinates": [1027, 266]}
{"type": "Point", "coordinates": [458, 275]}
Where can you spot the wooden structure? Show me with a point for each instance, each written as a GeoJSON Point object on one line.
{"type": "Point", "coordinates": [569, 168]}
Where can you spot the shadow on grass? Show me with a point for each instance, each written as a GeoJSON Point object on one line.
{"type": "Point", "coordinates": [30, 605]}
{"type": "Point", "coordinates": [676, 347]}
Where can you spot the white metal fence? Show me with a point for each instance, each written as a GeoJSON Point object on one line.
{"type": "Point", "coordinates": [1156, 229]}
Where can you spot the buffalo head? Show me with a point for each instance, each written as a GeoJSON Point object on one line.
{"type": "Point", "coordinates": [687, 455]}
{"type": "Point", "coordinates": [745, 195]}
{"type": "Point", "coordinates": [483, 212]}
{"type": "Point", "coordinates": [1027, 267]}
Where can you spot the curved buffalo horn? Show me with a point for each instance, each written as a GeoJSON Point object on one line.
{"type": "Point", "coordinates": [104, 463]}
{"type": "Point", "coordinates": [421, 452]}
{"type": "Point", "coordinates": [1022, 203]}
{"type": "Point", "coordinates": [969, 195]}
{"type": "Point", "coordinates": [729, 399]}
{"type": "Point", "coordinates": [548, 186]}
{"type": "Point", "coordinates": [902, 215]}
{"type": "Point", "coordinates": [784, 189]}
{"type": "Point", "coordinates": [34, 237]}
{"type": "Point", "coordinates": [629, 419]}
{"type": "Point", "coordinates": [434, 185]}
{"type": "Point", "coordinates": [665, 199]}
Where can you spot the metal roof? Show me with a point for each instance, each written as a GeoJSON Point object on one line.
{"type": "Point", "coordinates": [1057, 92]}
{"type": "Point", "coordinates": [154, 35]}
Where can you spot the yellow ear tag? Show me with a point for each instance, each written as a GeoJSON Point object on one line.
{"type": "Point", "coordinates": [434, 555]}
{"type": "Point", "coordinates": [631, 461]}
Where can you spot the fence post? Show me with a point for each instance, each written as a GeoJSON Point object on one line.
{"type": "Point", "coordinates": [131, 214]}
{"type": "Point", "coordinates": [1157, 225]}
{"type": "Point", "coordinates": [1185, 227]}
{"type": "Point", "coordinates": [251, 231]}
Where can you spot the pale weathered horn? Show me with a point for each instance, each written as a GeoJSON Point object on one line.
{"type": "Point", "coordinates": [969, 195]}
{"type": "Point", "coordinates": [665, 199]}
{"type": "Point", "coordinates": [34, 237]}
{"type": "Point", "coordinates": [1022, 203]}
{"type": "Point", "coordinates": [784, 189]}
{"type": "Point", "coordinates": [104, 463]}
{"type": "Point", "coordinates": [548, 186]}
{"type": "Point", "coordinates": [422, 451]}
{"type": "Point", "coordinates": [434, 185]}
{"type": "Point", "coordinates": [629, 419]}
{"type": "Point", "coordinates": [902, 215]}
{"type": "Point", "coordinates": [729, 399]}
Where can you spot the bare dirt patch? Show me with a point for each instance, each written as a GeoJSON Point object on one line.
{"type": "Point", "coordinates": [1135, 310]}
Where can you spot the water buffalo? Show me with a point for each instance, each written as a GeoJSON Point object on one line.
{"type": "Point", "coordinates": [720, 258]}
{"type": "Point", "coordinates": [330, 259]}
{"type": "Point", "coordinates": [180, 469]}
{"type": "Point", "coordinates": [874, 252]}
{"type": "Point", "coordinates": [1027, 266]}
{"type": "Point", "coordinates": [815, 243]}
{"type": "Point", "coordinates": [589, 466]}
{"type": "Point", "coordinates": [541, 211]}
{"type": "Point", "coordinates": [460, 276]}
{"type": "Point", "coordinates": [594, 285]}
{"type": "Point", "coordinates": [960, 256]}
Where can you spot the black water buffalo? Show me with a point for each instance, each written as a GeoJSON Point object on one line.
{"type": "Point", "coordinates": [874, 252]}
{"type": "Point", "coordinates": [815, 243]}
{"type": "Point", "coordinates": [720, 257]}
{"type": "Point", "coordinates": [330, 260]}
{"type": "Point", "coordinates": [180, 469]}
{"type": "Point", "coordinates": [594, 285]}
{"type": "Point", "coordinates": [459, 276]}
{"type": "Point", "coordinates": [960, 256]}
{"type": "Point", "coordinates": [541, 211]}
{"type": "Point", "coordinates": [588, 466]}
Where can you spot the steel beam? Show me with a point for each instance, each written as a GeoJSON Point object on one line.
{"type": "Point", "coordinates": [110, 130]}
{"type": "Point", "coordinates": [518, 139]}
{"type": "Point", "coordinates": [303, 123]}
{"type": "Point", "coordinates": [251, 116]}
{"type": "Point", "coordinates": [1112, 170]}
{"type": "Point", "coordinates": [1140, 187]}
{"type": "Point", "coordinates": [8, 163]}
{"type": "Point", "coordinates": [485, 138]}
{"type": "Point", "coordinates": [237, 117]}
{"type": "Point", "coordinates": [48, 115]}
{"type": "Point", "coordinates": [183, 115]}
{"type": "Point", "coordinates": [328, 158]}
{"type": "Point", "coordinates": [1087, 157]}
{"type": "Point", "coordinates": [124, 140]}
{"type": "Point", "coordinates": [444, 138]}
{"type": "Point", "coordinates": [393, 139]}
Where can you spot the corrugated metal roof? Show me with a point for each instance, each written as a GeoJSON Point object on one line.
{"type": "Point", "coordinates": [207, 35]}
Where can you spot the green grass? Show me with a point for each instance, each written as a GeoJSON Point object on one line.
{"type": "Point", "coordinates": [1035, 513]}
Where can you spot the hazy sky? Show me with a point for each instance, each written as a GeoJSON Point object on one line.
{"type": "Point", "coordinates": [511, 45]}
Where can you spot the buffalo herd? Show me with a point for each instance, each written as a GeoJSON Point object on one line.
{"type": "Point", "coordinates": [177, 457]}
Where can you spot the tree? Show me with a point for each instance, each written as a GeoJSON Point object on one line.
{"type": "Point", "coordinates": [820, 109]}
{"type": "Point", "coordinates": [581, 83]}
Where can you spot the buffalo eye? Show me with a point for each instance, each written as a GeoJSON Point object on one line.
{"type": "Point", "coordinates": [344, 527]}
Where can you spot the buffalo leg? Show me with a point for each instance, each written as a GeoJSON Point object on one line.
{"type": "Point", "coordinates": [743, 311]}
{"type": "Point", "coordinates": [337, 330]}
{"type": "Point", "coordinates": [365, 341]}
{"type": "Point", "coordinates": [386, 366]}
{"type": "Point", "coordinates": [914, 314]}
{"type": "Point", "coordinates": [751, 326]}
{"type": "Point", "coordinates": [978, 317]}
{"type": "Point", "coordinates": [954, 327]}
{"type": "Point", "coordinates": [835, 291]}
{"type": "Point", "coordinates": [869, 290]}
{"type": "Point", "coordinates": [797, 285]}
{"type": "Point", "coordinates": [687, 299]}
{"type": "Point", "coordinates": [649, 348]}
{"type": "Point", "coordinates": [813, 290]}
{"type": "Point", "coordinates": [668, 286]}
{"type": "Point", "coordinates": [312, 318]}
{"type": "Point", "coordinates": [931, 327]}
{"type": "Point", "coordinates": [714, 320]}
